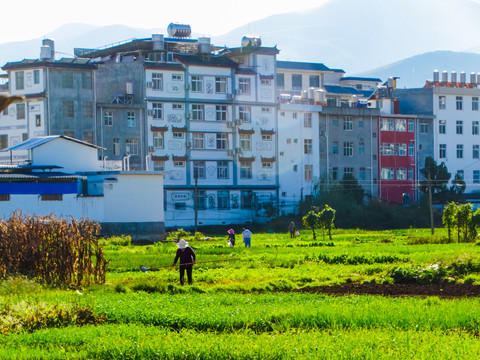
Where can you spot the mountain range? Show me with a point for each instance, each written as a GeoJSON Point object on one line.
{"type": "Point", "coordinates": [408, 39]}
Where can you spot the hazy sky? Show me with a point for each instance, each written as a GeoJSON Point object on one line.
{"type": "Point", "coordinates": [32, 19]}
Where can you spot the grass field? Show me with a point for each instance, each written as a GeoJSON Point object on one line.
{"type": "Point", "coordinates": [251, 308]}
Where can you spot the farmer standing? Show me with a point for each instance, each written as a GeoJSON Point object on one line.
{"type": "Point", "coordinates": [187, 258]}
{"type": "Point", "coordinates": [247, 237]}
{"type": "Point", "coordinates": [292, 228]}
{"type": "Point", "coordinates": [231, 238]}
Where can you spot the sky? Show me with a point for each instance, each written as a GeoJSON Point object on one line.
{"type": "Point", "coordinates": [208, 17]}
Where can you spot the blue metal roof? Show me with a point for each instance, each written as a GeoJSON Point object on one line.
{"type": "Point", "coordinates": [336, 89]}
{"type": "Point", "coordinates": [38, 141]}
{"type": "Point", "coordinates": [296, 65]}
{"type": "Point", "coordinates": [358, 78]}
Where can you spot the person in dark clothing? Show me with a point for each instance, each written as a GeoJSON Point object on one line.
{"type": "Point", "coordinates": [187, 258]}
{"type": "Point", "coordinates": [292, 229]}
{"type": "Point", "coordinates": [231, 238]}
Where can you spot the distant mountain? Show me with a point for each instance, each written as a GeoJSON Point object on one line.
{"type": "Point", "coordinates": [414, 71]}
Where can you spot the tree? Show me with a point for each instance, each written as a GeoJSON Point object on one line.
{"type": "Point", "coordinates": [311, 221]}
{"type": "Point", "coordinates": [436, 180]}
{"type": "Point", "coordinates": [351, 187]}
{"type": "Point", "coordinates": [326, 218]}
{"type": "Point", "coordinates": [458, 188]}
{"type": "Point", "coordinates": [449, 218]}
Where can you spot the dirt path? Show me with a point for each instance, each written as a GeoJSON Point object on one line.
{"type": "Point", "coordinates": [444, 291]}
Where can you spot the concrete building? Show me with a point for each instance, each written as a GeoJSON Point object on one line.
{"type": "Point", "coordinates": [63, 176]}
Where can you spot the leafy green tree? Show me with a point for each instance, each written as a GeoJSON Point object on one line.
{"type": "Point", "coordinates": [351, 187]}
{"type": "Point", "coordinates": [458, 188]}
{"type": "Point", "coordinates": [311, 221]}
{"type": "Point", "coordinates": [449, 218]}
{"type": "Point", "coordinates": [326, 218]}
{"type": "Point", "coordinates": [464, 218]}
{"type": "Point", "coordinates": [436, 180]}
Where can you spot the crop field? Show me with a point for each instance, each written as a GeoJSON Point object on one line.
{"type": "Point", "coordinates": [400, 294]}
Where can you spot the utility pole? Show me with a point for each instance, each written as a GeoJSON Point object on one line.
{"type": "Point", "coordinates": [430, 201]}
{"type": "Point", "coordinates": [195, 199]}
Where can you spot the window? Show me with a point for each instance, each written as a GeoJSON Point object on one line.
{"type": "Point", "coordinates": [244, 86]}
{"type": "Point", "coordinates": [401, 125]}
{"type": "Point", "coordinates": [281, 81]}
{"type": "Point", "coordinates": [223, 199]}
{"type": "Point", "coordinates": [221, 112]}
{"type": "Point", "coordinates": [361, 147]}
{"type": "Point", "coordinates": [387, 174]}
{"type": "Point", "coordinates": [51, 197]}
{"type": "Point", "coordinates": [442, 154]}
{"type": "Point", "coordinates": [361, 174]}
{"type": "Point", "coordinates": [335, 147]}
{"type": "Point", "coordinates": [308, 172]}
{"type": "Point", "coordinates": [222, 170]}
{"type": "Point", "coordinates": [387, 149]}
{"type": "Point", "coordinates": [401, 149]}
{"type": "Point", "coordinates": [177, 106]}
{"type": "Point", "coordinates": [245, 169]}
{"type": "Point", "coordinates": [88, 136]}
{"type": "Point", "coordinates": [361, 123]}
{"type": "Point", "coordinates": [335, 173]}
{"type": "Point", "coordinates": [348, 171]}
{"type": "Point", "coordinates": [157, 81]}
{"type": "Point", "coordinates": [411, 149]}
{"type": "Point", "coordinates": [199, 170]}
{"type": "Point", "coordinates": [180, 206]}
{"type": "Point", "coordinates": [4, 197]}
{"type": "Point", "coordinates": [442, 102]}
{"type": "Point", "coordinates": [459, 102]}
{"type": "Point", "coordinates": [87, 109]}
{"type": "Point", "coordinates": [177, 163]}
{"type": "Point", "coordinates": [411, 125]}
{"type": "Point", "coordinates": [220, 85]}
{"type": "Point", "coordinates": [108, 118]}
{"type": "Point", "coordinates": [307, 120]}
{"type": "Point", "coordinates": [198, 112]}
{"type": "Point", "coordinates": [348, 148]}
{"type": "Point", "coordinates": [201, 200]}
{"type": "Point", "coordinates": [475, 103]}
{"type": "Point", "coordinates": [459, 151]}
{"type": "Point", "coordinates": [474, 127]}
{"type": "Point", "coordinates": [246, 199]}
{"type": "Point", "coordinates": [459, 127]}
{"type": "Point", "coordinates": [24, 136]}
{"type": "Point", "coordinates": [20, 111]}
{"type": "Point", "coordinates": [158, 165]}
{"type": "Point", "coordinates": [19, 80]}
{"type": "Point", "coordinates": [410, 173]}
{"type": "Point", "coordinates": [294, 115]}
{"type": "Point", "coordinates": [266, 82]}
{"type": "Point", "coordinates": [402, 174]}
{"type": "Point", "coordinates": [3, 141]}
{"type": "Point", "coordinates": [476, 176]}
{"type": "Point", "coordinates": [423, 127]}
{"type": "Point", "coordinates": [386, 125]}
{"type": "Point", "coordinates": [266, 110]}
{"type": "Point", "coordinates": [296, 82]}
{"type": "Point", "coordinates": [222, 141]}
{"type": "Point", "coordinates": [244, 113]}
{"type": "Point", "coordinates": [476, 151]}
{"type": "Point", "coordinates": [68, 109]}
{"type": "Point", "coordinates": [295, 167]}
{"type": "Point", "coordinates": [442, 126]}
{"type": "Point", "coordinates": [307, 146]}
{"type": "Point", "coordinates": [246, 141]}
{"type": "Point", "coordinates": [347, 123]}
{"type": "Point", "coordinates": [116, 146]}
{"type": "Point", "coordinates": [314, 80]}
{"type": "Point", "coordinates": [158, 139]}
{"type": "Point", "coordinates": [67, 79]}
{"type": "Point", "coordinates": [266, 137]}
{"type": "Point", "coordinates": [289, 141]}
{"type": "Point", "coordinates": [130, 119]}
{"type": "Point", "coordinates": [198, 141]}
{"type": "Point", "coordinates": [87, 82]}
{"type": "Point", "coordinates": [177, 77]}
{"type": "Point", "coordinates": [131, 146]}
{"type": "Point", "coordinates": [178, 135]}
{"type": "Point", "coordinates": [36, 77]}
{"type": "Point", "coordinates": [157, 108]}
{"type": "Point", "coordinates": [197, 83]}
{"type": "Point", "coordinates": [266, 164]}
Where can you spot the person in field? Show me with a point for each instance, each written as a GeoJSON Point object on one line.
{"type": "Point", "coordinates": [247, 237]}
{"type": "Point", "coordinates": [187, 258]}
{"type": "Point", "coordinates": [292, 228]}
{"type": "Point", "coordinates": [231, 238]}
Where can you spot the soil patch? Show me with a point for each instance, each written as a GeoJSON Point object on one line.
{"type": "Point", "coordinates": [444, 291]}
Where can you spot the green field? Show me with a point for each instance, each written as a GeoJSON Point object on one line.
{"type": "Point", "coordinates": [245, 303]}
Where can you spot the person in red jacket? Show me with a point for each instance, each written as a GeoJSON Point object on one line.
{"type": "Point", "coordinates": [187, 258]}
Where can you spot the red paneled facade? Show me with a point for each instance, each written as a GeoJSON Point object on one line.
{"type": "Point", "coordinates": [397, 164]}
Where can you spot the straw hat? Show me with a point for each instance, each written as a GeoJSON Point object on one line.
{"type": "Point", "coordinates": [182, 244]}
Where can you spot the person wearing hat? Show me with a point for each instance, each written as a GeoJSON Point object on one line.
{"type": "Point", "coordinates": [187, 258]}
{"type": "Point", "coordinates": [231, 238]}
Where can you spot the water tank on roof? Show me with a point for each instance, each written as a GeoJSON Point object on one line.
{"type": "Point", "coordinates": [473, 78]}
{"type": "Point", "coordinates": [311, 92]}
{"type": "Point", "coordinates": [453, 77]}
{"type": "Point", "coordinates": [251, 41]}
{"type": "Point", "coordinates": [204, 45]}
{"type": "Point", "coordinates": [129, 88]}
{"type": "Point", "coordinates": [436, 76]}
{"type": "Point", "coordinates": [179, 30]}
{"type": "Point", "coordinates": [157, 42]}
{"type": "Point", "coordinates": [444, 76]}
{"type": "Point", "coordinates": [319, 96]}
{"type": "Point", "coordinates": [463, 78]}
{"type": "Point", "coordinates": [51, 44]}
